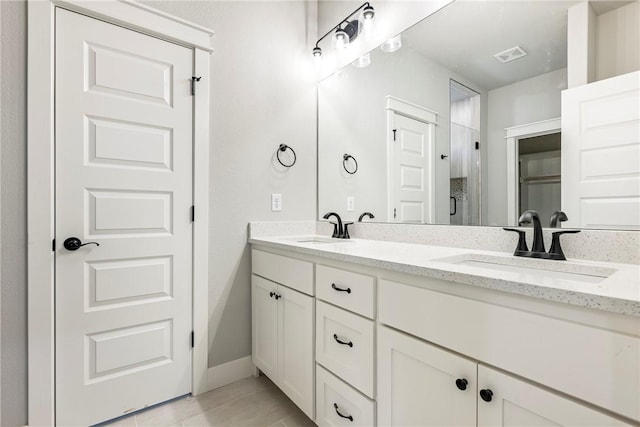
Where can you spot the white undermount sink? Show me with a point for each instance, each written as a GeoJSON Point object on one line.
{"type": "Point", "coordinates": [533, 268]}
{"type": "Point", "coordinates": [319, 239]}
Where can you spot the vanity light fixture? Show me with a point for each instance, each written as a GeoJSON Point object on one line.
{"type": "Point", "coordinates": [347, 30]}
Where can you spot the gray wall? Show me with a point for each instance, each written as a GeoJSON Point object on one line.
{"type": "Point", "coordinates": [263, 94]}
{"type": "Point", "coordinates": [527, 101]}
{"type": "Point", "coordinates": [13, 288]}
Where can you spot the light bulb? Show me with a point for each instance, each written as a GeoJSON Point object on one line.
{"type": "Point", "coordinates": [368, 13]}
{"type": "Point", "coordinates": [317, 52]}
{"type": "Point", "coordinates": [363, 61]}
{"type": "Point", "coordinates": [392, 44]}
{"type": "Point", "coordinates": [342, 38]}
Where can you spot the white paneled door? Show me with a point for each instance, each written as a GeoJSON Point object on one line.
{"type": "Point", "coordinates": [124, 181]}
{"type": "Point", "coordinates": [412, 175]}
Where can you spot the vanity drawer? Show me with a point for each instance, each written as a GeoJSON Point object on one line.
{"type": "Point", "coordinates": [335, 398]}
{"type": "Point", "coordinates": [352, 291]}
{"type": "Point", "coordinates": [344, 345]}
{"type": "Point", "coordinates": [290, 272]}
{"type": "Point", "coordinates": [596, 365]}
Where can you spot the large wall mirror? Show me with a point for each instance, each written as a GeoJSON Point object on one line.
{"type": "Point", "coordinates": [456, 121]}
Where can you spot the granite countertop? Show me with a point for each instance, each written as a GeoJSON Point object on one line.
{"type": "Point", "coordinates": [599, 285]}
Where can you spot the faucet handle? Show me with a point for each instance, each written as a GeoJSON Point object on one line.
{"type": "Point", "coordinates": [522, 240]}
{"type": "Point", "coordinates": [555, 251]}
{"type": "Point", "coordinates": [556, 218]}
{"type": "Point", "coordinates": [345, 234]}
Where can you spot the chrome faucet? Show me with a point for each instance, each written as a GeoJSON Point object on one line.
{"type": "Point", "coordinates": [538, 251]}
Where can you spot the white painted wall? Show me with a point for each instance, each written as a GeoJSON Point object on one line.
{"type": "Point", "coordinates": [263, 94]}
{"type": "Point", "coordinates": [528, 101]}
{"type": "Point", "coordinates": [618, 41]}
{"type": "Point", "coordinates": [13, 288]}
{"type": "Point", "coordinates": [352, 119]}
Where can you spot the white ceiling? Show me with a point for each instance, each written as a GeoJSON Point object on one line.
{"type": "Point", "coordinates": [465, 35]}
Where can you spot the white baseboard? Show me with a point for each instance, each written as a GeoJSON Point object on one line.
{"type": "Point", "coordinates": [230, 372]}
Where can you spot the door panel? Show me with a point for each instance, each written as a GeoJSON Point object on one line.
{"type": "Point", "coordinates": [518, 403]}
{"type": "Point", "coordinates": [265, 325]}
{"type": "Point", "coordinates": [417, 384]}
{"type": "Point", "coordinates": [296, 373]}
{"type": "Point", "coordinates": [412, 174]}
{"type": "Point", "coordinates": [601, 153]}
{"type": "Point", "coordinates": [124, 181]}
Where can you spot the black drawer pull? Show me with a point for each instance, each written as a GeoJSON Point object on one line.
{"type": "Point", "coordinates": [335, 337]}
{"type": "Point", "coordinates": [348, 290]}
{"type": "Point", "coordinates": [349, 417]}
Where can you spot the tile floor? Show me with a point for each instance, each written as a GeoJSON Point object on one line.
{"type": "Point", "coordinates": [252, 402]}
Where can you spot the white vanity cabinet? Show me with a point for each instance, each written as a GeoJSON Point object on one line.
{"type": "Point", "coordinates": [360, 345]}
{"type": "Point", "coordinates": [345, 347]}
{"type": "Point", "coordinates": [282, 327]}
{"type": "Point", "coordinates": [420, 384]}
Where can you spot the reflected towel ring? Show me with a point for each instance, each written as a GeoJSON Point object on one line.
{"type": "Point", "coordinates": [345, 158]}
{"type": "Point", "coordinates": [284, 147]}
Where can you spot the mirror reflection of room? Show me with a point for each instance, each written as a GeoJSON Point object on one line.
{"type": "Point", "coordinates": [484, 94]}
{"type": "Point", "coordinates": [539, 174]}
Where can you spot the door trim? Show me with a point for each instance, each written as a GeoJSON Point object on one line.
{"type": "Point", "coordinates": [512, 136]}
{"type": "Point", "coordinates": [41, 185]}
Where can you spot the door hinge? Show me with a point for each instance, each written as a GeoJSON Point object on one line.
{"type": "Point", "coordinates": [193, 213]}
{"type": "Point", "coordinates": [394, 134]}
{"type": "Point", "coordinates": [193, 339]}
{"type": "Point", "coordinates": [194, 80]}
{"type": "Point", "coordinates": [53, 245]}
{"type": "Point", "coordinates": [394, 213]}
{"type": "Point", "coordinates": [477, 145]}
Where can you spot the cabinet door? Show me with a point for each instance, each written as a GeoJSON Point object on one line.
{"type": "Point", "coordinates": [296, 363]}
{"type": "Point", "coordinates": [512, 402]}
{"type": "Point", "coordinates": [417, 384]}
{"type": "Point", "coordinates": [264, 325]}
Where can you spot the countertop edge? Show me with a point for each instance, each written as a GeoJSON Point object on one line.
{"type": "Point", "coordinates": [576, 298]}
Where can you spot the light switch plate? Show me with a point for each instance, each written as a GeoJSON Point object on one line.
{"type": "Point", "coordinates": [276, 202]}
{"type": "Point", "coordinates": [350, 203]}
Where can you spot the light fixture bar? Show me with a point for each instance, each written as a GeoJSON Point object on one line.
{"type": "Point", "coordinates": [369, 11]}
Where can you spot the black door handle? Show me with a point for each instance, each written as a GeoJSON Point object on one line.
{"type": "Point", "coordinates": [73, 244]}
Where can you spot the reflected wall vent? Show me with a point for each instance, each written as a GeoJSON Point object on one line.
{"type": "Point", "coordinates": [511, 54]}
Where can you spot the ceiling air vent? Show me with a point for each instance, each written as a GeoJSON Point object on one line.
{"type": "Point", "coordinates": [510, 54]}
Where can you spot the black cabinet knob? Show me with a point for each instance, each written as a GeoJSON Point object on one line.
{"type": "Point", "coordinates": [73, 244]}
{"type": "Point", "coordinates": [461, 383]}
{"type": "Point", "coordinates": [278, 296]}
{"type": "Point", "coordinates": [486, 394]}
{"type": "Point", "coordinates": [271, 294]}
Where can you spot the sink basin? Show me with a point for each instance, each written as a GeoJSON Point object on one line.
{"type": "Point", "coordinates": [533, 269]}
{"type": "Point", "coordinates": [319, 239]}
